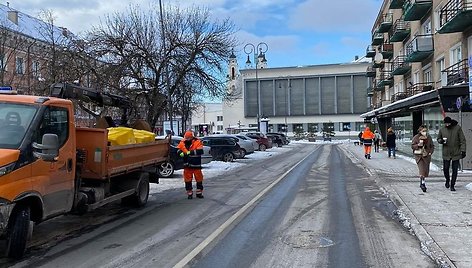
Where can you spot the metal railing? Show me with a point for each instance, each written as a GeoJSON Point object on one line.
{"type": "Point", "coordinates": [416, 88]}
{"type": "Point", "coordinates": [457, 73]}
{"type": "Point", "coordinates": [452, 8]}
{"type": "Point", "coordinates": [400, 96]}
{"type": "Point", "coordinates": [421, 43]}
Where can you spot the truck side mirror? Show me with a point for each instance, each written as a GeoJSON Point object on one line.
{"type": "Point", "coordinates": [49, 148]}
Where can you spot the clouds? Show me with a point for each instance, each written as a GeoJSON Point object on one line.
{"type": "Point", "coordinates": [337, 15]}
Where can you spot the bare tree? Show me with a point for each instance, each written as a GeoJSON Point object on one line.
{"type": "Point", "coordinates": [196, 49]}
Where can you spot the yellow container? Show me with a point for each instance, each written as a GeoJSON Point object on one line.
{"type": "Point", "coordinates": [143, 136]}
{"type": "Point", "coordinates": [121, 136]}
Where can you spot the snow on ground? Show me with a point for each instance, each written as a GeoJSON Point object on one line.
{"type": "Point", "coordinates": [469, 186]}
{"type": "Point", "coordinates": [432, 166]}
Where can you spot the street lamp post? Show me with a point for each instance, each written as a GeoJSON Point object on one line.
{"type": "Point", "coordinates": [249, 49]}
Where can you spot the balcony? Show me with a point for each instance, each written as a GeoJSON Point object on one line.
{"type": "Point", "coordinates": [456, 74]}
{"type": "Point", "coordinates": [419, 87]}
{"type": "Point", "coordinates": [385, 79]}
{"type": "Point", "coordinates": [386, 24]}
{"type": "Point", "coordinates": [400, 66]}
{"type": "Point", "coordinates": [456, 16]}
{"type": "Point", "coordinates": [416, 9]}
{"type": "Point", "coordinates": [378, 64]}
{"type": "Point", "coordinates": [396, 4]}
{"type": "Point", "coordinates": [370, 51]}
{"type": "Point", "coordinates": [387, 50]}
{"type": "Point", "coordinates": [420, 48]}
{"type": "Point", "coordinates": [370, 72]}
{"type": "Point", "coordinates": [377, 39]}
{"type": "Point", "coordinates": [399, 96]}
{"type": "Point", "coordinates": [400, 31]}
{"type": "Point", "coordinates": [375, 85]}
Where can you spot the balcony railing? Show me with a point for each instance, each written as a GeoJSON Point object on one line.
{"type": "Point", "coordinates": [375, 85]}
{"type": "Point", "coordinates": [400, 66]}
{"type": "Point", "coordinates": [400, 96]}
{"type": "Point", "coordinates": [370, 72]}
{"type": "Point", "coordinates": [420, 48]}
{"type": "Point", "coordinates": [396, 4]}
{"type": "Point", "coordinates": [419, 87]}
{"type": "Point", "coordinates": [387, 50]}
{"type": "Point", "coordinates": [377, 39]}
{"type": "Point", "coordinates": [456, 74]}
{"type": "Point", "coordinates": [400, 31]}
{"type": "Point", "coordinates": [370, 51]}
{"type": "Point", "coordinates": [455, 16]}
{"type": "Point", "coordinates": [385, 79]}
{"type": "Point", "coordinates": [386, 24]}
{"type": "Point", "coordinates": [416, 9]}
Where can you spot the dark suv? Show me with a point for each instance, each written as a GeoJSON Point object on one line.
{"type": "Point", "coordinates": [276, 139]}
{"type": "Point", "coordinates": [284, 138]}
{"type": "Point", "coordinates": [222, 148]}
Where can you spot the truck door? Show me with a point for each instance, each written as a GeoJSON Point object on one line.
{"type": "Point", "coordinates": [55, 180]}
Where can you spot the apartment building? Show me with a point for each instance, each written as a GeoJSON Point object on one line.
{"type": "Point", "coordinates": [422, 53]}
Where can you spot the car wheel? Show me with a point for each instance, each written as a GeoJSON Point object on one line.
{"type": "Point", "coordinates": [228, 157]}
{"type": "Point", "coordinates": [242, 152]}
{"type": "Point", "coordinates": [166, 169]}
{"type": "Point", "coordinates": [262, 147]}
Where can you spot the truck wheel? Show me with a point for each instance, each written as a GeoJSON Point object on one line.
{"type": "Point", "coordinates": [141, 196]}
{"type": "Point", "coordinates": [166, 169]}
{"type": "Point", "coordinates": [18, 232]}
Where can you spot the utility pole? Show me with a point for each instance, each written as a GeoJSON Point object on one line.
{"type": "Point", "coordinates": [169, 95]}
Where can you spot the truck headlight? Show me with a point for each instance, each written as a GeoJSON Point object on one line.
{"type": "Point", "coordinates": [7, 169]}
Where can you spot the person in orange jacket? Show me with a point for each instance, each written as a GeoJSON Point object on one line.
{"type": "Point", "coordinates": [368, 137]}
{"type": "Point", "coordinates": [191, 149]}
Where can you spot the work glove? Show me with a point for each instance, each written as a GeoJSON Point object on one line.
{"type": "Point", "coordinates": [463, 154]}
{"type": "Point", "coordinates": [181, 154]}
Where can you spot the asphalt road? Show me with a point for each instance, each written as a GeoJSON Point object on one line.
{"type": "Point", "coordinates": [324, 211]}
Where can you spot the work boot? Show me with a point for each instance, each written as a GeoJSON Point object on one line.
{"type": "Point", "coordinates": [199, 195]}
{"type": "Point", "coordinates": [447, 183]}
{"type": "Point", "coordinates": [368, 156]}
{"type": "Point", "coordinates": [452, 188]}
{"type": "Point", "coordinates": [190, 196]}
{"type": "Point", "coordinates": [365, 156]}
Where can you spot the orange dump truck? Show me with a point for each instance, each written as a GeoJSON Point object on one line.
{"type": "Point", "coordinates": [49, 167]}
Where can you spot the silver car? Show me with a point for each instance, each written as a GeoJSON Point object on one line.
{"type": "Point", "coordinates": [254, 141]}
{"type": "Point", "coordinates": [246, 145]}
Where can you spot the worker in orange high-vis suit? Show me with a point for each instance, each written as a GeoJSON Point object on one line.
{"type": "Point", "coordinates": [368, 137]}
{"type": "Point", "coordinates": [191, 149]}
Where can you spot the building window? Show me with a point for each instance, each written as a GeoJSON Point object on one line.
{"type": "Point", "coordinates": [428, 75]}
{"type": "Point", "coordinates": [426, 27]}
{"type": "Point", "coordinates": [35, 69]}
{"type": "Point", "coordinates": [440, 65]}
{"type": "Point", "coordinates": [219, 118]}
{"type": "Point", "coordinates": [20, 66]}
{"type": "Point", "coordinates": [456, 54]}
{"type": "Point", "coordinates": [346, 126]}
{"type": "Point", "coordinates": [219, 128]}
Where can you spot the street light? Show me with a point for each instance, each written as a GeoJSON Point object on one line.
{"type": "Point", "coordinates": [249, 49]}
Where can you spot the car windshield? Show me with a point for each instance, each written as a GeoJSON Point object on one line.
{"type": "Point", "coordinates": [15, 119]}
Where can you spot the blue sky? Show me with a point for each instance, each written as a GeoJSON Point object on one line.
{"type": "Point", "coordinates": [297, 32]}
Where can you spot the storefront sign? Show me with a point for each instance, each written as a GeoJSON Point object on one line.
{"type": "Point", "coordinates": [470, 80]}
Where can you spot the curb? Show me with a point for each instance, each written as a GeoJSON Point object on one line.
{"type": "Point", "coordinates": [409, 221]}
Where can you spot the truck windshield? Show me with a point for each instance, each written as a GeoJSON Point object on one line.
{"type": "Point", "coordinates": [15, 119]}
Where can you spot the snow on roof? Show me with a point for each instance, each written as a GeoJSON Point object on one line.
{"type": "Point", "coordinates": [28, 25]}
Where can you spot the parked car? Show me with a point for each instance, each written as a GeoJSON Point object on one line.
{"type": "Point", "coordinates": [246, 145]}
{"type": "Point", "coordinates": [175, 162]}
{"type": "Point", "coordinates": [262, 140]}
{"type": "Point", "coordinates": [276, 139]}
{"type": "Point", "coordinates": [255, 145]}
{"type": "Point", "coordinates": [223, 148]}
{"type": "Point", "coordinates": [284, 138]}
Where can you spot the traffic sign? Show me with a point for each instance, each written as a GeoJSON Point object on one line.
{"type": "Point", "coordinates": [459, 103]}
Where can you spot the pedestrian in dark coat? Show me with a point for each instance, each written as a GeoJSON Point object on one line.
{"type": "Point", "coordinates": [454, 147]}
{"type": "Point", "coordinates": [423, 148]}
{"type": "Point", "coordinates": [391, 142]}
